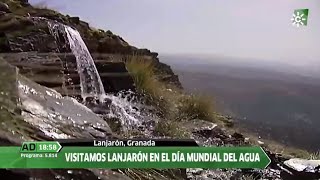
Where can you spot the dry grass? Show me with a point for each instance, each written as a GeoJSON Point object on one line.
{"type": "Point", "coordinates": [171, 129]}
{"type": "Point", "coordinates": [315, 156]}
{"type": "Point", "coordinates": [197, 107]}
{"type": "Point", "coordinates": [172, 104]}
{"type": "Point", "coordinates": [146, 83]}
{"type": "Point", "coordinates": [143, 73]}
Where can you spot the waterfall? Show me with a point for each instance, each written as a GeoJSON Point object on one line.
{"type": "Point", "coordinates": [91, 84]}
{"type": "Point", "coordinates": [90, 81]}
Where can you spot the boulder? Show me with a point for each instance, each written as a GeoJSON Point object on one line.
{"type": "Point", "coordinates": [297, 169]}
{"type": "Point", "coordinates": [4, 7]}
{"type": "Point", "coordinates": [113, 44]}
{"type": "Point", "coordinates": [301, 165]}
{"type": "Point", "coordinates": [74, 20]}
{"type": "Point", "coordinates": [84, 24]}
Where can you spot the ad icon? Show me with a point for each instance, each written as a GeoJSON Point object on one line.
{"type": "Point", "coordinates": [300, 17]}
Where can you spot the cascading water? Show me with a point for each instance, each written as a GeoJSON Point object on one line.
{"type": "Point", "coordinates": [90, 81]}
{"type": "Point", "coordinates": [91, 84]}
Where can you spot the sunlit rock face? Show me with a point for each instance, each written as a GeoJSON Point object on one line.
{"type": "Point", "coordinates": [56, 116]}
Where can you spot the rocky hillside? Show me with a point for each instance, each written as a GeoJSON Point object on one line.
{"type": "Point", "coordinates": [22, 29]}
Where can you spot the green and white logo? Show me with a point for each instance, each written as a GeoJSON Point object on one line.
{"type": "Point", "coordinates": [300, 17]}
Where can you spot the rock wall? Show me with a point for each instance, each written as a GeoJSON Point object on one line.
{"type": "Point", "coordinates": [59, 72]}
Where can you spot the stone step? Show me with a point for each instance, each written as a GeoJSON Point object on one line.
{"type": "Point", "coordinates": [48, 81]}
{"type": "Point", "coordinates": [111, 67]}
{"type": "Point", "coordinates": [39, 69]}
{"type": "Point", "coordinates": [115, 74]}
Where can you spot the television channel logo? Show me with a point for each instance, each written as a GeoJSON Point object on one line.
{"type": "Point", "coordinates": [300, 17]}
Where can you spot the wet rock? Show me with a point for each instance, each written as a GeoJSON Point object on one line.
{"type": "Point", "coordinates": [98, 107]}
{"type": "Point", "coordinates": [4, 7]}
{"type": "Point", "coordinates": [55, 115]}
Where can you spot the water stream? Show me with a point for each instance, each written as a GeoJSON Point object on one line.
{"type": "Point", "coordinates": [121, 107]}
{"type": "Point", "coordinates": [91, 84]}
